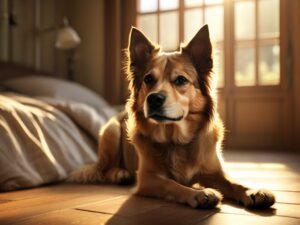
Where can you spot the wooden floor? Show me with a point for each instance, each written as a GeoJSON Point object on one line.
{"type": "Point", "coordinates": [93, 204]}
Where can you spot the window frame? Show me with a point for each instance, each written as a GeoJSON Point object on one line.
{"type": "Point", "coordinates": [229, 43]}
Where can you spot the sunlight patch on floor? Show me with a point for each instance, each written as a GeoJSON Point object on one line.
{"type": "Point", "coordinates": [272, 176]}
{"type": "Point", "coordinates": [251, 165]}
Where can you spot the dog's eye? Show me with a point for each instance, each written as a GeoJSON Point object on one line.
{"type": "Point", "coordinates": [149, 79]}
{"type": "Point", "coordinates": [180, 80]}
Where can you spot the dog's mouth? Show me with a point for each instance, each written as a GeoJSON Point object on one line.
{"type": "Point", "coordinates": [162, 118]}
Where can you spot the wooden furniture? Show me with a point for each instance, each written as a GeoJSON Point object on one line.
{"type": "Point", "coordinates": [12, 70]}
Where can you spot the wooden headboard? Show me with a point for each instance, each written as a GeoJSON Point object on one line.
{"type": "Point", "coordinates": [12, 70]}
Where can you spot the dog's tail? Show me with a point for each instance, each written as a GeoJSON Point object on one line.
{"type": "Point", "coordinates": [90, 173]}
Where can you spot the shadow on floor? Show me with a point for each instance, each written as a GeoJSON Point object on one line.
{"type": "Point", "coordinates": [134, 212]}
{"type": "Point", "coordinates": [138, 210]}
{"type": "Point", "coordinates": [259, 212]}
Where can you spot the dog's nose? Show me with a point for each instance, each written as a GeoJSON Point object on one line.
{"type": "Point", "coordinates": [155, 101]}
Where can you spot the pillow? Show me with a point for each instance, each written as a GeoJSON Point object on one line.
{"type": "Point", "coordinates": [59, 89]}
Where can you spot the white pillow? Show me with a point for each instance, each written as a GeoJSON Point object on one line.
{"type": "Point", "coordinates": [59, 89]}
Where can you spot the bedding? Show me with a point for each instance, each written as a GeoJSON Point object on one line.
{"type": "Point", "coordinates": [39, 85]}
{"type": "Point", "coordinates": [43, 139]}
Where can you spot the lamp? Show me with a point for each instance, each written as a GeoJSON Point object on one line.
{"type": "Point", "coordinates": [67, 39]}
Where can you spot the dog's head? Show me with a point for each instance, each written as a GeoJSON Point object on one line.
{"type": "Point", "coordinates": [167, 88]}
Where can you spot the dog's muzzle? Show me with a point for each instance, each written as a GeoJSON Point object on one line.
{"type": "Point", "coordinates": [155, 102]}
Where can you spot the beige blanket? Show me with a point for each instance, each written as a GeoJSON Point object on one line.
{"type": "Point", "coordinates": [43, 140]}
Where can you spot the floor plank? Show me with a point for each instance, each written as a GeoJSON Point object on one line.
{"type": "Point", "coordinates": [124, 205]}
{"type": "Point", "coordinates": [70, 217]}
{"type": "Point", "coordinates": [64, 188]}
{"type": "Point", "coordinates": [288, 197]}
{"type": "Point", "coordinates": [165, 215]}
{"type": "Point", "coordinates": [230, 219]}
{"type": "Point", "coordinates": [133, 206]}
{"type": "Point", "coordinates": [288, 185]}
{"type": "Point", "coordinates": [283, 210]}
{"type": "Point", "coordinates": [4, 201]}
{"type": "Point", "coordinates": [62, 197]}
{"type": "Point", "coordinates": [112, 205]}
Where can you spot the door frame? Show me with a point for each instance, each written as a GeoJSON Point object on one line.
{"type": "Point", "coordinates": [231, 97]}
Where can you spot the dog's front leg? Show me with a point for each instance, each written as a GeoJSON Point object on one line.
{"type": "Point", "coordinates": [231, 190]}
{"type": "Point", "coordinates": [153, 185]}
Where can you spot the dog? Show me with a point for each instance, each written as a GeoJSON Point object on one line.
{"type": "Point", "coordinates": [170, 133]}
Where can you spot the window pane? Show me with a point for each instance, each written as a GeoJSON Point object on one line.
{"type": "Point", "coordinates": [148, 24]}
{"type": "Point", "coordinates": [193, 20]}
{"type": "Point", "coordinates": [191, 3]}
{"type": "Point", "coordinates": [208, 2]}
{"type": "Point", "coordinates": [269, 65]}
{"type": "Point", "coordinates": [147, 5]}
{"type": "Point", "coordinates": [219, 66]}
{"type": "Point", "coordinates": [168, 4]}
{"type": "Point", "coordinates": [244, 20]}
{"type": "Point", "coordinates": [168, 30]}
{"type": "Point", "coordinates": [244, 67]}
{"type": "Point", "coordinates": [268, 17]}
{"type": "Point", "coordinates": [214, 17]}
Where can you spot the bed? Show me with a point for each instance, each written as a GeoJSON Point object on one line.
{"type": "Point", "coordinates": [48, 127]}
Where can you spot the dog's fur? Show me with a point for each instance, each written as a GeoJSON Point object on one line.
{"type": "Point", "coordinates": [178, 145]}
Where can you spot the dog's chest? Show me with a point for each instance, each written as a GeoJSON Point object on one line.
{"type": "Point", "coordinates": [187, 163]}
{"type": "Point", "coordinates": [183, 166]}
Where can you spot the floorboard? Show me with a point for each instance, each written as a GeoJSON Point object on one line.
{"type": "Point", "coordinates": [113, 205]}
{"type": "Point", "coordinates": [232, 219]}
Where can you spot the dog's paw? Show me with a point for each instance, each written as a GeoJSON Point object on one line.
{"type": "Point", "coordinates": [120, 176]}
{"type": "Point", "coordinates": [205, 199]}
{"type": "Point", "coordinates": [124, 177]}
{"type": "Point", "coordinates": [258, 199]}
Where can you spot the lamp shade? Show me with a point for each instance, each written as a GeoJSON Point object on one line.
{"type": "Point", "coordinates": [67, 38]}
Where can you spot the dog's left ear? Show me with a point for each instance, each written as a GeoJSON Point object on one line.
{"type": "Point", "coordinates": [140, 47]}
{"type": "Point", "coordinates": [199, 49]}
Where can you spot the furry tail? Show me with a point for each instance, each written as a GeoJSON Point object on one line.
{"type": "Point", "coordinates": [86, 174]}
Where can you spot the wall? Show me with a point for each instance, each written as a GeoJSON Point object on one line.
{"type": "Point", "coordinates": [88, 19]}
{"type": "Point", "coordinates": [4, 30]}
{"type": "Point", "coordinates": [119, 16]}
{"type": "Point", "coordinates": [34, 49]}
{"type": "Point", "coordinates": [295, 18]}
{"type": "Point", "coordinates": [25, 45]}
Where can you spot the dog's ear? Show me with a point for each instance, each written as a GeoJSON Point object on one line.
{"type": "Point", "coordinates": [199, 49]}
{"type": "Point", "coordinates": [140, 47]}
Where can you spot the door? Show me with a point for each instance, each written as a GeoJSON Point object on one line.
{"type": "Point", "coordinates": [256, 98]}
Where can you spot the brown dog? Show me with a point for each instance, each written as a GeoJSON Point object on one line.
{"type": "Point", "coordinates": [171, 131]}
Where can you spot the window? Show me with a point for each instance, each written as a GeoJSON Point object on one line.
{"type": "Point", "coordinates": [169, 22]}
{"type": "Point", "coordinates": [256, 33]}
{"type": "Point", "coordinates": [257, 42]}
